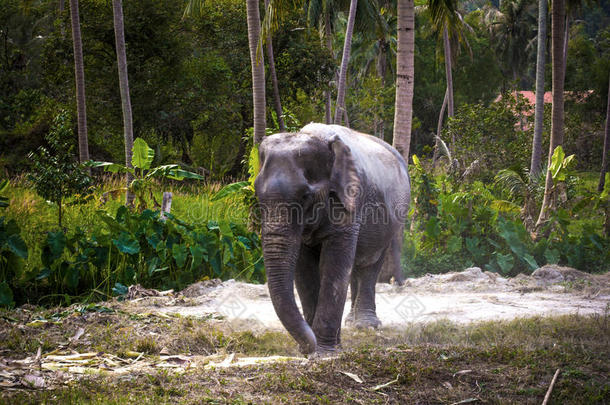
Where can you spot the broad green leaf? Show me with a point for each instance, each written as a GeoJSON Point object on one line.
{"type": "Point", "coordinates": [56, 241]}
{"type": "Point", "coordinates": [119, 289]}
{"type": "Point", "coordinates": [229, 189]}
{"type": "Point", "coordinates": [179, 174]}
{"type": "Point", "coordinates": [72, 277]}
{"type": "Point", "coordinates": [126, 243]}
{"type": "Point", "coordinates": [529, 259]}
{"type": "Point", "coordinates": [110, 167]}
{"type": "Point", "coordinates": [552, 256]}
{"type": "Point", "coordinates": [225, 229]}
{"type": "Point", "coordinates": [557, 161]}
{"type": "Point", "coordinates": [3, 185]}
{"type": "Point", "coordinates": [197, 252]}
{"type": "Point", "coordinates": [6, 295]}
{"type": "Point", "coordinates": [17, 245]}
{"type": "Point", "coordinates": [143, 155]}
{"type": "Point", "coordinates": [162, 171]}
{"type": "Point", "coordinates": [180, 254]}
{"type": "Point", "coordinates": [505, 262]}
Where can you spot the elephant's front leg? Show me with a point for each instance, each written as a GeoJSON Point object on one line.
{"type": "Point", "coordinates": [307, 280]}
{"type": "Point", "coordinates": [336, 261]}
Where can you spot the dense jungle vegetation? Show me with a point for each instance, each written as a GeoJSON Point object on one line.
{"type": "Point", "coordinates": [66, 232]}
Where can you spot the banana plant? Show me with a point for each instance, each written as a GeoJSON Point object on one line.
{"type": "Point", "coordinates": [142, 184]}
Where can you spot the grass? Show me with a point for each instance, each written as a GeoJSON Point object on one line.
{"type": "Point", "coordinates": [439, 362]}
{"type": "Point", "coordinates": [191, 202]}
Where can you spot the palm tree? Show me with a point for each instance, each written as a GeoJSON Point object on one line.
{"type": "Point", "coordinates": [376, 50]}
{"type": "Point", "coordinates": [405, 72]}
{"type": "Point", "coordinates": [340, 104]}
{"type": "Point", "coordinates": [119, 37]}
{"type": "Point", "coordinates": [276, 90]}
{"type": "Point", "coordinates": [79, 73]}
{"type": "Point", "coordinates": [258, 69]}
{"type": "Point", "coordinates": [557, 115]}
{"type": "Point", "coordinates": [539, 113]}
{"type": "Point", "coordinates": [510, 29]}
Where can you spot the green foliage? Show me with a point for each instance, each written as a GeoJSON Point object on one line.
{"type": "Point", "coordinates": [55, 173]}
{"type": "Point", "coordinates": [560, 164]}
{"type": "Point", "coordinates": [141, 248]}
{"type": "Point", "coordinates": [460, 225]}
{"type": "Point", "coordinates": [142, 184]}
{"type": "Point", "coordinates": [13, 252]}
{"type": "Point", "coordinates": [489, 135]}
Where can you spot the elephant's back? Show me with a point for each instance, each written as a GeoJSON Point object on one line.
{"type": "Point", "coordinates": [377, 161]}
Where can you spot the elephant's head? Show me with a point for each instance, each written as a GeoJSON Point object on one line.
{"type": "Point", "coordinates": [299, 174]}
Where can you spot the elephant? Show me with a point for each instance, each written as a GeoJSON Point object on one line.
{"type": "Point", "coordinates": [333, 203]}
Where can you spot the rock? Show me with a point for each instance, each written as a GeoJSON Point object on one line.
{"type": "Point", "coordinates": [201, 288]}
{"type": "Point", "coordinates": [553, 274]}
{"type": "Point", "coordinates": [470, 274]}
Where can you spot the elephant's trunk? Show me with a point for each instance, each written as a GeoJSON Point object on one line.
{"type": "Point", "coordinates": [280, 250]}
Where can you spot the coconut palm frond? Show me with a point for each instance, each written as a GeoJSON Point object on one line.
{"type": "Point", "coordinates": [444, 148]}
{"type": "Point", "coordinates": [511, 181]}
{"type": "Point", "coordinates": [506, 206]}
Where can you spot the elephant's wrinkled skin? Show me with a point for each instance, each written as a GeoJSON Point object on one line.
{"type": "Point", "coordinates": [333, 204]}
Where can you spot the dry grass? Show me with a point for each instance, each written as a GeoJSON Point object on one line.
{"type": "Point", "coordinates": [440, 362]}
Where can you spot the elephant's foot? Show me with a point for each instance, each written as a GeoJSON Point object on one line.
{"type": "Point", "coordinates": [323, 351]}
{"type": "Point", "coordinates": [366, 320]}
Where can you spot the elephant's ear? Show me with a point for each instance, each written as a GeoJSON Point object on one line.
{"type": "Point", "coordinates": [344, 179]}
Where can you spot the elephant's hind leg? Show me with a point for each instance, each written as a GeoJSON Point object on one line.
{"type": "Point", "coordinates": [363, 295]}
{"type": "Point", "coordinates": [307, 279]}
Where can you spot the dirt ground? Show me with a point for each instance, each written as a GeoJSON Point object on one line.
{"type": "Point", "coordinates": [462, 337]}
{"type": "Point", "coordinates": [461, 297]}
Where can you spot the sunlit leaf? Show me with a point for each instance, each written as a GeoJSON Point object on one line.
{"type": "Point", "coordinates": [143, 155]}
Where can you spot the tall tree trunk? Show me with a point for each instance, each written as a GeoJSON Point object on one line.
{"type": "Point", "coordinates": [276, 90]}
{"type": "Point", "coordinates": [535, 166]}
{"type": "Point", "coordinates": [566, 39]}
{"type": "Point", "coordinates": [557, 115]}
{"type": "Point", "coordinates": [329, 46]}
{"type": "Point", "coordinates": [258, 70]}
{"type": "Point", "coordinates": [381, 72]}
{"type": "Point", "coordinates": [447, 50]}
{"type": "Point", "coordinates": [439, 127]}
{"type": "Point", "coordinates": [405, 71]}
{"type": "Point", "coordinates": [121, 55]}
{"type": "Point", "coordinates": [79, 73]}
{"type": "Point", "coordinates": [347, 45]}
{"type": "Point", "coordinates": [602, 178]}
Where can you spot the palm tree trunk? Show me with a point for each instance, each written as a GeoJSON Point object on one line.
{"type": "Point", "coordinates": [557, 114]}
{"type": "Point", "coordinates": [405, 71]}
{"type": "Point", "coordinates": [258, 70]}
{"type": "Point", "coordinates": [566, 39]}
{"type": "Point", "coordinates": [79, 73]}
{"type": "Point", "coordinates": [329, 46]}
{"type": "Point", "coordinates": [276, 90]}
{"type": "Point", "coordinates": [447, 50]}
{"type": "Point", "coordinates": [448, 74]}
{"type": "Point", "coordinates": [121, 55]}
{"type": "Point", "coordinates": [602, 176]}
{"type": "Point", "coordinates": [340, 104]}
{"type": "Point", "coordinates": [539, 114]}
{"type": "Point", "coordinates": [439, 127]}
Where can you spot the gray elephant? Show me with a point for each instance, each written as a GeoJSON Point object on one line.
{"type": "Point", "coordinates": [333, 204]}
